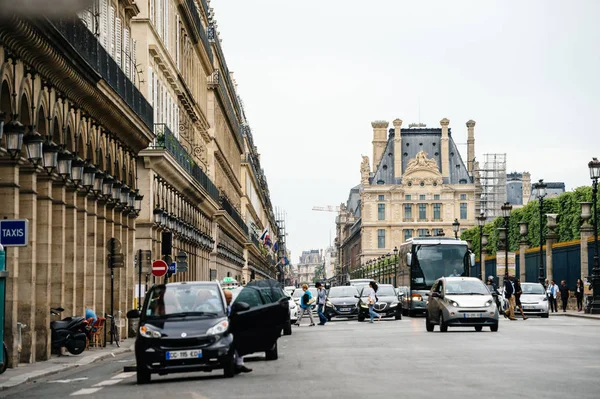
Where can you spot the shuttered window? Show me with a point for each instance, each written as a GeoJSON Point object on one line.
{"type": "Point", "coordinates": [119, 42]}
{"type": "Point", "coordinates": [127, 57]}
{"type": "Point", "coordinates": [104, 23]}
{"type": "Point", "coordinates": [111, 31]}
{"type": "Point", "coordinates": [152, 11]}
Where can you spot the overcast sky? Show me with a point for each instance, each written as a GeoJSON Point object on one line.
{"type": "Point", "coordinates": [313, 74]}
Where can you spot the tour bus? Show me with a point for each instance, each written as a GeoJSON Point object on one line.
{"type": "Point", "coordinates": [423, 260]}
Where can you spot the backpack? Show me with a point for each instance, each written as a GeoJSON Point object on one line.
{"type": "Point", "coordinates": [305, 299]}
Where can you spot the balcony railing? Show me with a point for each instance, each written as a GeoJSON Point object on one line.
{"type": "Point", "coordinates": [87, 45]}
{"type": "Point", "coordinates": [226, 205]}
{"type": "Point", "coordinates": [199, 27]}
{"type": "Point", "coordinates": [167, 140]}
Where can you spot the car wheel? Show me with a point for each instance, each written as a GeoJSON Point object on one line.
{"type": "Point", "coordinates": [478, 328]}
{"type": "Point", "coordinates": [361, 317]}
{"type": "Point", "coordinates": [272, 354]}
{"type": "Point", "coordinates": [443, 325]}
{"type": "Point", "coordinates": [428, 325]}
{"type": "Point", "coordinates": [494, 328]}
{"type": "Point", "coordinates": [229, 366]}
{"type": "Point", "coordinates": [545, 315]}
{"type": "Point", "coordinates": [404, 312]}
{"type": "Point", "coordinates": [398, 316]}
{"type": "Point", "coordinates": [287, 330]}
{"type": "Point", "coordinates": [329, 318]}
{"type": "Point", "coordinates": [143, 375]}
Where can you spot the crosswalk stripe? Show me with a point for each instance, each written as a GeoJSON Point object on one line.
{"type": "Point", "coordinates": [122, 376]}
{"type": "Point", "coordinates": [86, 391]}
{"type": "Point", "coordinates": [107, 382]}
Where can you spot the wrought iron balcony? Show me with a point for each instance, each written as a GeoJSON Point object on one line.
{"type": "Point", "coordinates": [226, 205]}
{"type": "Point", "coordinates": [165, 139]}
{"type": "Point", "coordinates": [191, 5]}
{"type": "Point", "coordinates": [87, 45]}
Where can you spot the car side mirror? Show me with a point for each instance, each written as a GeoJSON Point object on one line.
{"type": "Point", "coordinates": [436, 295]}
{"type": "Point", "coordinates": [409, 259]}
{"type": "Point", "coordinates": [133, 314]}
{"type": "Point", "coordinates": [357, 296]}
{"type": "Point", "coordinates": [472, 259]}
{"type": "Point", "coordinates": [238, 307]}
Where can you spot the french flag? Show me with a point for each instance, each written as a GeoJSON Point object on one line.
{"type": "Point", "coordinates": [276, 246]}
{"type": "Point", "coordinates": [264, 235]}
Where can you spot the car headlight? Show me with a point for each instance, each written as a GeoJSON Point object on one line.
{"type": "Point", "coordinates": [417, 297]}
{"type": "Point", "coordinates": [364, 305]}
{"type": "Point", "coordinates": [489, 303]}
{"type": "Point", "coordinates": [395, 303]}
{"type": "Point", "coordinates": [328, 304]}
{"type": "Point", "coordinates": [147, 332]}
{"type": "Point", "coordinates": [545, 299]}
{"type": "Point", "coordinates": [218, 328]}
{"type": "Point", "coordinates": [453, 303]}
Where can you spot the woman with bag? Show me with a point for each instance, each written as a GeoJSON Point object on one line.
{"type": "Point", "coordinates": [579, 295]}
{"type": "Point", "coordinates": [372, 300]}
{"type": "Point", "coordinates": [306, 301]}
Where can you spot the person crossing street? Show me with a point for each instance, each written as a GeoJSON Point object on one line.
{"type": "Point", "coordinates": [321, 300]}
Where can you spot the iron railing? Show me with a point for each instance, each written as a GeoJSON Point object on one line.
{"type": "Point", "coordinates": [87, 45]}
{"type": "Point", "coordinates": [199, 27]}
{"type": "Point", "coordinates": [226, 205]}
{"type": "Point", "coordinates": [167, 140]}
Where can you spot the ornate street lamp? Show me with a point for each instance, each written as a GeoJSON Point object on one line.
{"type": "Point", "coordinates": [506, 209]}
{"type": "Point", "coordinates": [481, 222]}
{"type": "Point", "coordinates": [50, 155]}
{"type": "Point", "coordinates": [125, 195]}
{"type": "Point", "coordinates": [594, 166]}
{"type": "Point", "coordinates": [395, 266]}
{"type": "Point", "coordinates": [540, 188]}
{"type": "Point", "coordinates": [65, 164]}
{"type": "Point", "coordinates": [107, 184]}
{"type": "Point", "coordinates": [455, 228]}
{"type": "Point", "coordinates": [78, 171]}
{"type": "Point", "coordinates": [14, 131]}
{"type": "Point", "coordinates": [116, 192]}
{"type": "Point", "coordinates": [33, 146]}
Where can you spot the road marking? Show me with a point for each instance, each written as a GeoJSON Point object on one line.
{"type": "Point", "coordinates": [67, 381]}
{"type": "Point", "coordinates": [86, 391]}
{"type": "Point", "coordinates": [107, 382]}
{"type": "Point", "coordinates": [124, 375]}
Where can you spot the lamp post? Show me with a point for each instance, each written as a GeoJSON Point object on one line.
{"type": "Point", "coordinates": [484, 243]}
{"type": "Point", "coordinates": [395, 266]}
{"type": "Point", "coordinates": [594, 166]}
{"type": "Point", "coordinates": [540, 188]}
{"type": "Point", "coordinates": [481, 222]}
{"type": "Point", "coordinates": [506, 209]}
{"type": "Point", "coordinates": [455, 228]}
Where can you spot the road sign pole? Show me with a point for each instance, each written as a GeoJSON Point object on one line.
{"type": "Point", "coordinates": [139, 265]}
{"type": "Point", "coordinates": [112, 291]}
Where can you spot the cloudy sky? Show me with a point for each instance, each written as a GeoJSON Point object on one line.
{"type": "Point", "coordinates": [313, 74]}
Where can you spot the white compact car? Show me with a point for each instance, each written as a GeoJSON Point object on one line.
{"type": "Point", "coordinates": [534, 300]}
{"type": "Point", "coordinates": [293, 309]}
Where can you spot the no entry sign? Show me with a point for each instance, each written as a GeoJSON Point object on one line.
{"type": "Point", "coordinates": [159, 268]}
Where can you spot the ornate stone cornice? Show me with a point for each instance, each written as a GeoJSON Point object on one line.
{"type": "Point", "coordinates": [471, 123]}
{"type": "Point", "coordinates": [380, 124]}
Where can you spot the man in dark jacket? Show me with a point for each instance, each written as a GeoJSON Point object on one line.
{"type": "Point", "coordinates": [509, 294]}
{"type": "Point", "coordinates": [564, 294]}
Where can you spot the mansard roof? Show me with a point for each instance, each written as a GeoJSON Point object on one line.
{"type": "Point", "coordinates": [414, 141]}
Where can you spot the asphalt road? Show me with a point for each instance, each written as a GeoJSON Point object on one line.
{"type": "Point", "coordinates": [538, 358]}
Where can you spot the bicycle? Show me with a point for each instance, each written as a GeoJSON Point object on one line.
{"type": "Point", "coordinates": [116, 322]}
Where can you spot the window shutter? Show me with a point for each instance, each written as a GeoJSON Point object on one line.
{"type": "Point", "coordinates": [152, 11]}
{"type": "Point", "coordinates": [166, 28]}
{"type": "Point", "coordinates": [104, 23]}
{"type": "Point", "coordinates": [177, 43]}
{"type": "Point", "coordinates": [151, 87]}
{"type": "Point", "coordinates": [127, 59]}
{"type": "Point", "coordinates": [159, 14]}
{"type": "Point", "coordinates": [119, 43]}
{"type": "Point", "coordinates": [111, 31]}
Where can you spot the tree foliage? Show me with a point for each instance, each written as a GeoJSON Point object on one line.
{"type": "Point", "coordinates": [568, 225]}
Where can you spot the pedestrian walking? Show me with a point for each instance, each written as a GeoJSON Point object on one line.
{"type": "Point", "coordinates": [564, 295]}
{"type": "Point", "coordinates": [372, 300]}
{"type": "Point", "coordinates": [518, 292]}
{"type": "Point", "coordinates": [321, 300]}
{"type": "Point", "coordinates": [509, 294]}
{"type": "Point", "coordinates": [579, 295]}
{"type": "Point", "coordinates": [552, 293]}
{"type": "Point", "coordinates": [306, 301]}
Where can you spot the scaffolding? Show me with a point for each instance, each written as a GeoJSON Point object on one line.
{"type": "Point", "coordinates": [492, 178]}
{"type": "Point", "coordinates": [281, 254]}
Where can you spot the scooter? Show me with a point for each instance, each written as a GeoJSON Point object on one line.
{"type": "Point", "coordinates": [69, 333]}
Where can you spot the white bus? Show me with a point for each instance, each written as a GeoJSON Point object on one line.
{"type": "Point", "coordinates": [423, 260]}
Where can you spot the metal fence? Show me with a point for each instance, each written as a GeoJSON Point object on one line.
{"type": "Point", "coordinates": [226, 205]}
{"type": "Point", "coordinates": [87, 45]}
{"type": "Point", "coordinates": [199, 28]}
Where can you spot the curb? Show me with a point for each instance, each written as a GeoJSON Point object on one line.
{"type": "Point", "coordinates": [581, 316]}
{"type": "Point", "coordinates": [21, 379]}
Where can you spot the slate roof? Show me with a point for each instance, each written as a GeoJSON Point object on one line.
{"type": "Point", "coordinates": [413, 141]}
{"type": "Point", "coordinates": [353, 202]}
{"type": "Point", "coordinates": [514, 192]}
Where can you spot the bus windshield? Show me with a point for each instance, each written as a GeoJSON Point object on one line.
{"type": "Point", "coordinates": [435, 261]}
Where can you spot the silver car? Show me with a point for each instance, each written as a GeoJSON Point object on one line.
{"type": "Point", "coordinates": [460, 302]}
{"type": "Point", "coordinates": [534, 299]}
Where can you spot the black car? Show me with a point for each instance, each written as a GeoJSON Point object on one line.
{"type": "Point", "coordinates": [185, 327]}
{"type": "Point", "coordinates": [342, 302]}
{"type": "Point", "coordinates": [387, 304]}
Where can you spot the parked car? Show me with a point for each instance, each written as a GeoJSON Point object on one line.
{"type": "Point", "coordinates": [534, 299]}
{"type": "Point", "coordinates": [387, 304]}
{"type": "Point", "coordinates": [289, 289]}
{"type": "Point", "coordinates": [460, 302]}
{"type": "Point", "coordinates": [297, 295]}
{"type": "Point", "coordinates": [293, 311]}
{"type": "Point", "coordinates": [185, 327]}
{"type": "Point", "coordinates": [342, 302]}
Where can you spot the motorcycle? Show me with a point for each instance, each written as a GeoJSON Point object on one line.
{"type": "Point", "coordinates": [69, 332]}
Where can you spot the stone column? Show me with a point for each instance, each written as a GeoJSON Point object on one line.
{"type": "Point", "coordinates": [90, 270]}
{"type": "Point", "coordinates": [379, 141]}
{"type": "Point", "coordinates": [101, 264]}
{"type": "Point", "coordinates": [397, 148]}
{"type": "Point", "coordinates": [445, 143]}
{"type": "Point", "coordinates": [551, 238]}
{"type": "Point", "coordinates": [81, 257]}
{"type": "Point", "coordinates": [470, 145]}
{"type": "Point", "coordinates": [71, 248]}
{"type": "Point", "coordinates": [25, 285]}
{"type": "Point", "coordinates": [59, 236]}
{"type": "Point", "coordinates": [523, 245]}
{"type": "Point", "coordinates": [11, 200]}
{"type": "Point", "coordinates": [587, 232]}
{"type": "Point", "coordinates": [110, 231]}
{"type": "Point", "coordinates": [484, 243]}
{"type": "Point", "coordinates": [43, 270]}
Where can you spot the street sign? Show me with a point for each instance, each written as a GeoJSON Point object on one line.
{"type": "Point", "coordinates": [159, 268]}
{"type": "Point", "coordinates": [14, 232]}
{"type": "Point", "coordinates": [146, 262]}
{"type": "Point", "coordinates": [116, 260]}
{"type": "Point", "coordinates": [114, 246]}
{"type": "Point", "coordinates": [182, 267]}
{"type": "Point", "coordinates": [173, 268]}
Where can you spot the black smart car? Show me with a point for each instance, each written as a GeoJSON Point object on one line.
{"type": "Point", "coordinates": [387, 304]}
{"type": "Point", "coordinates": [341, 302]}
{"type": "Point", "coordinates": [186, 327]}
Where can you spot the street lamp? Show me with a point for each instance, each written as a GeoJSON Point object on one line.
{"type": "Point", "coordinates": [540, 188]}
{"type": "Point", "coordinates": [594, 166]}
{"type": "Point", "coordinates": [395, 266]}
{"type": "Point", "coordinates": [455, 228]}
{"type": "Point", "coordinates": [506, 209]}
{"type": "Point", "coordinates": [14, 131]}
{"type": "Point", "coordinates": [481, 222]}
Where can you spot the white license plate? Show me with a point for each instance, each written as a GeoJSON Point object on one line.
{"type": "Point", "coordinates": [179, 355]}
{"type": "Point", "coordinates": [472, 315]}
{"type": "Point", "coordinates": [345, 309]}
{"type": "Point", "coordinates": [528, 307]}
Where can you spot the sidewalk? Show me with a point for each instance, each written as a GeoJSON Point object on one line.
{"type": "Point", "coordinates": [574, 313]}
{"type": "Point", "coordinates": [31, 371]}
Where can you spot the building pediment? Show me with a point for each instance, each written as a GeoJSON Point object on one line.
{"type": "Point", "coordinates": [423, 169]}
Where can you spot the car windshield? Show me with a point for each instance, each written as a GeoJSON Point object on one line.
{"type": "Point", "coordinates": [532, 289]}
{"type": "Point", "coordinates": [386, 291]}
{"type": "Point", "coordinates": [342, 292]}
{"type": "Point", "coordinates": [435, 261]}
{"type": "Point", "coordinates": [466, 287]}
{"type": "Point", "coordinates": [185, 299]}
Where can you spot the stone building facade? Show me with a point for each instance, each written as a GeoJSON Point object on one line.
{"type": "Point", "coordinates": [308, 263]}
{"type": "Point", "coordinates": [132, 127]}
